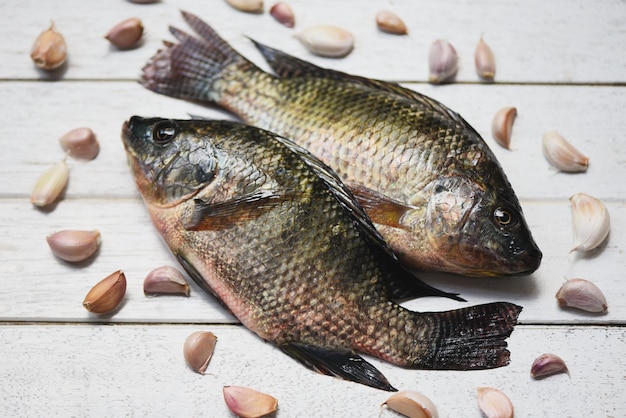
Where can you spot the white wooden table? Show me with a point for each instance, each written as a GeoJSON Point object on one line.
{"type": "Point", "coordinates": [561, 63]}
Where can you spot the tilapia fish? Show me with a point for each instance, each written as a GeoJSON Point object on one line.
{"type": "Point", "coordinates": [272, 232]}
{"type": "Point", "coordinates": [428, 181]}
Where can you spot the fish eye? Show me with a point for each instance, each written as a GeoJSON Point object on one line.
{"type": "Point", "coordinates": [164, 132]}
{"type": "Point", "coordinates": [504, 217]}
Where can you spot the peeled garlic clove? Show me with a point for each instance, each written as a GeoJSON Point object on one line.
{"type": "Point", "coordinates": [561, 154]}
{"type": "Point", "coordinates": [494, 403]}
{"type": "Point", "coordinates": [249, 6]}
{"type": "Point", "coordinates": [249, 403]}
{"type": "Point", "coordinates": [74, 245]}
{"type": "Point", "coordinates": [107, 295]}
{"type": "Point", "coordinates": [50, 185]}
{"type": "Point", "coordinates": [591, 222]}
{"type": "Point", "coordinates": [581, 294]}
{"type": "Point", "coordinates": [198, 350]}
{"type": "Point", "coordinates": [327, 40]}
{"type": "Point", "coordinates": [546, 365]}
{"type": "Point", "coordinates": [390, 22]}
{"type": "Point", "coordinates": [502, 126]}
{"type": "Point", "coordinates": [485, 61]}
{"type": "Point", "coordinates": [49, 50]}
{"type": "Point", "coordinates": [412, 404]}
{"type": "Point", "coordinates": [165, 280]}
{"type": "Point", "coordinates": [81, 143]}
{"type": "Point", "coordinates": [126, 34]}
{"type": "Point", "coordinates": [443, 62]}
{"type": "Point", "coordinates": [282, 12]}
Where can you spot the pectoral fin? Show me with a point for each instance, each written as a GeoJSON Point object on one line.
{"type": "Point", "coordinates": [341, 364]}
{"type": "Point", "coordinates": [380, 208]}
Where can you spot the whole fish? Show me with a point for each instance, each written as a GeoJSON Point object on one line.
{"type": "Point", "coordinates": [428, 181]}
{"type": "Point", "coordinates": [272, 232]}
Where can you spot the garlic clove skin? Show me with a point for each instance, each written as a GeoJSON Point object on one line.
{"type": "Point", "coordinates": [81, 143]}
{"type": "Point", "coordinates": [165, 280]}
{"type": "Point", "coordinates": [485, 61]}
{"type": "Point", "coordinates": [443, 62]}
{"type": "Point", "coordinates": [412, 404]}
{"type": "Point", "coordinates": [50, 185]}
{"type": "Point", "coordinates": [391, 23]}
{"type": "Point", "coordinates": [283, 13]}
{"type": "Point", "coordinates": [494, 403]}
{"type": "Point", "coordinates": [198, 350]}
{"type": "Point", "coordinates": [249, 403]}
{"type": "Point", "coordinates": [327, 40]}
{"type": "Point", "coordinates": [590, 220]}
{"type": "Point", "coordinates": [502, 126]}
{"type": "Point", "coordinates": [49, 50]}
{"type": "Point", "coordinates": [74, 245]}
{"type": "Point", "coordinates": [581, 294]}
{"type": "Point", "coordinates": [126, 34]}
{"type": "Point", "coordinates": [547, 365]}
{"type": "Point", "coordinates": [107, 295]}
{"type": "Point", "coordinates": [563, 155]}
{"type": "Point", "coordinates": [248, 6]}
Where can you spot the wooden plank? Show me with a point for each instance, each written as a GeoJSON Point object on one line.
{"type": "Point", "coordinates": [140, 370]}
{"type": "Point", "coordinates": [534, 41]}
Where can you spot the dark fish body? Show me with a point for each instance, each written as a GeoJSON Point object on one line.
{"type": "Point", "coordinates": [430, 184]}
{"type": "Point", "coordinates": [272, 233]}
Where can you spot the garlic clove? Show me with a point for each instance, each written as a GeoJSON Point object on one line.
{"type": "Point", "coordinates": [144, 1]}
{"type": "Point", "coordinates": [81, 143]}
{"type": "Point", "coordinates": [49, 50]}
{"type": "Point", "coordinates": [443, 62]}
{"type": "Point", "coordinates": [126, 34]}
{"type": "Point", "coordinates": [502, 126]}
{"type": "Point", "coordinates": [581, 294]}
{"type": "Point", "coordinates": [562, 155]}
{"type": "Point", "coordinates": [283, 13]}
{"type": "Point", "coordinates": [107, 295]}
{"type": "Point", "coordinates": [494, 403]}
{"type": "Point", "coordinates": [249, 403]}
{"type": "Point", "coordinates": [391, 23]}
{"type": "Point", "coordinates": [327, 40]}
{"type": "Point", "coordinates": [198, 350]}
{"type": "Point", "coordinates": [165, 280]}
{"type": "Point", "coordinates": [412, 404]}
{"type": "Point", "coordinates": [248, 6]}
{"type": "Point", "coordinates": [591, 222]}
{"type": "Point", "coordinates": [50, 185]}
{"type": "Point", "coordinates": [485, 61]}
{"type": "Point", "coordinates": [547, 365]}
{"type": "Point", "coordinates": [74, 245]}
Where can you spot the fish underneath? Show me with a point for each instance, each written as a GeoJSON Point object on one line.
{"type": "Point", "coordinates": [428, 181]}
{"type": "Point", "coordinates": [275, 236]}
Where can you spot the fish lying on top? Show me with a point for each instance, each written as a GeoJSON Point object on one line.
{"type": "Point", "coordinates": [428, 181]}
{"type": "Point", "coordinates": [272, 232]}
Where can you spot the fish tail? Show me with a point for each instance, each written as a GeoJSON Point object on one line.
{"type": "Point", "coordinates": [471, 338]}
{"type": "Point", "coordinates": [194, 68]}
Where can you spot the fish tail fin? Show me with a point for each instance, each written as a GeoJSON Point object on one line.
{"type": "Point", "coordinates": [192, 69]}
{"type": "Point", "coordinates": [471, 338]}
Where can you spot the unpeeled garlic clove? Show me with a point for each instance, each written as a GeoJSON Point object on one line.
{"type": "Point", "coordinates": [581, 294]}
{"type": "Point", "coordinates": [81, 143]}
{"type": "Point", "coordinates": [249, 403]}
{"type": "Point", "coordinates": [563, 155]}
{"type": "Point", "coordinates": [547, 365]}
{"type": "Point", "coordinates": [327, 40]}
{"type": "Point", "coordinates": [412, 404]}
{"type": "Point", "coordinates": [494, 403]}
{"type": "Point", "coordinates": [591, 222]}
{"type": "Point", "coordinates": [198, 350]}
{"type": "Point", "coordinates": [248, 6]}
{"type": "Point", "coordinates": [49, 50]}
{"type": "Point", "coordinates": [391, 23]}
{"type": "Point", "coordinates": [283, 13]}
{"type": "Point", "coordinates": [107, 295]}
{"type": "Point", "coordinates": [443, 62]}
{"type": "Point", "coordinates": [485, 61]}
{"type": "Point", "coordinates": [126, 34]}
{"type": "Point", "coordinates": [50, 185]}
{"type": "Point", "coordinates": [502, 126]}
{"type": "Point", "coordinates": [165, 280]}
{"type": "Point", "coordinates": [74, 245]}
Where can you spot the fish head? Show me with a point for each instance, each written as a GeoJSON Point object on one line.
{"type": "Point", "coordinates": [481, 231]}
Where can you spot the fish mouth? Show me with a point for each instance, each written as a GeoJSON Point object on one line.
{"type": "Point", "coordinates": [523, 263]}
